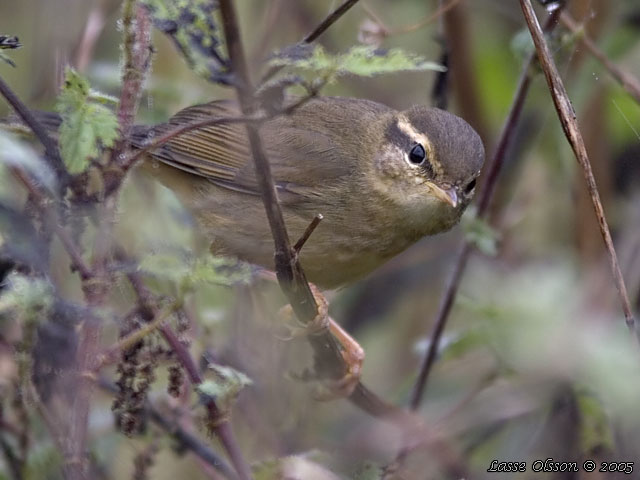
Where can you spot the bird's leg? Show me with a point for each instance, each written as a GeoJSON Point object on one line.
{"type": "Point", "coordinates": [352, 352]}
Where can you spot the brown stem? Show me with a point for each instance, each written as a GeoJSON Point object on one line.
{"type": "Point", "coordinates": [574, 137]}
{"type": "Point", "coordinates": [50, 146]}
{"type": "Point", "coordinates": [629, 82]}
{"type": "Point", "coordinates": [307, 233]}
{"type": "Point", "coordinates": [491, 177]}
{"type": "Point", "coordinates": [330, 20]}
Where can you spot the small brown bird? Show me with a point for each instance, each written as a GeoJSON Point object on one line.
{"type": "Point", "coordinates": [382, 179]}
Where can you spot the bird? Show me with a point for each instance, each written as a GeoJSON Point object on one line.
{"type": "Point", "coordinates": [382, 179]}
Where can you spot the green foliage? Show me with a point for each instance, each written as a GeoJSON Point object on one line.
{"type": "Point", "coordinates": [86, 126]}
{"type": "Point", "coordinates": [361, 60]}
{"type": "Point", "coordinates": [225, 386]}
{"type": "Point", "coordinates": [190, 25]}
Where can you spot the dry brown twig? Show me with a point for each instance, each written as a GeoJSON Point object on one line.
{"type": "Point", "coordinates": [629, 82]}
{"type": "Point", "coordinates": [429, 19]}
{"type": "Point", "coordinates": [574, 137]}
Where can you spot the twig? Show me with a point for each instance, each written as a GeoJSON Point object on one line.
{"type": "Point", "coordinates": [184, 438]}
{"type": "Point", "coordinates": [629, 82]}
{"type": "Point", "coordinates": [493, 171]}
{"type": "Point", "coordinates": [111, 353]}
{"type": "Point", "coordinates": [289, 273]}
{"type": "Point", "coordinates": [329, 20]}
{"type": "Point", "coordinates": [217, 419]}
{"type": "Point", "coordinates": [307, 233]}
{"type": "Point", "coordinates": [209, 122]}
{"type": "Point", "coordinates": [319, 30]}
{"type": "Point", "coordinates": [442, 9]}
{"type": "Point", "coordinates": [572, 132]}
{"type": "Point", "coordinates": [50, 146]}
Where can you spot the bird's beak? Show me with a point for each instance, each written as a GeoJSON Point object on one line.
{"type": "Point", "coordinates": [447, 195]}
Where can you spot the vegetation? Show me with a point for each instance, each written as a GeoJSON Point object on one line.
{"type": "Point", "coordinates": [509, 344]}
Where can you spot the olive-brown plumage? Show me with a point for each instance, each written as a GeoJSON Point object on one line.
{"type": "Point", "coordinates": [382, 179]}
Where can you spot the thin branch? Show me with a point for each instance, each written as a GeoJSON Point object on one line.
{"type": "Point", "coordinates": [629, 82]}
{"type": "Point", "coordinates": [290, 275]}
{"type": "Point", "coordinates": [126, 342]}
{"type": "Point", "coordinates": [330, 20]}
{"type": "Point", "coordinates": [288, 270]}
{"type": "Point", "coordinates": [184, 438]}
{"type": "Point", "coordinates": [50, 145]}
{"type": "Point", "coordinates": [491, 177]}
{"type": "Point", "coordinates": [209, 122]}
{"type": "Point", "coordinates": [572, 131]}
{"type": "Point", "coordinates": [386, 31]}
{"type": "Point", "coordinates": [307, 233]}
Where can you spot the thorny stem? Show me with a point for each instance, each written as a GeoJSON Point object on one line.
{"type": "Point", "coordinates": [493, 171]}
{"type": "Point", "coordinates": [574, 137]}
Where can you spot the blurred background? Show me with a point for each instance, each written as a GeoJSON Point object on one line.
{"type": "Point", "coordinates": [536, 360]}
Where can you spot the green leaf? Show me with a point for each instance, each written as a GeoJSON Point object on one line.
{"type": "Point", "coordinates": [479, 233]}
{"type": "Point", "coordinates": [191, 26]}
{"type": "Point", "coordinates": [225, 386]}
{"type": "Point", "coordinates": [86, 126]}
{"type": "Point", "coordinates": [361, 60]}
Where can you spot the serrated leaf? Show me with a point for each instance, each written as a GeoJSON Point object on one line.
{"type": "Point", "coordinates": [191, 26]}
{"type": "Point", "coordinates": [225, 386]}
{"type": "Point", "coordinates": [86, 126]}
{"type": "Point", "coordinates": [479, 233]}
{"type": "Point", "coordinates": [361, 60]}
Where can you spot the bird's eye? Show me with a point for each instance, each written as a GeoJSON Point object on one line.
{"type": "Point", "coordinates": [417, 154]}
{"type": "Point", "coordinates": [470, 186]}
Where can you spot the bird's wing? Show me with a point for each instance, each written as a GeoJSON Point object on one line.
{"type": "Point", "coordinates": [302, 156]}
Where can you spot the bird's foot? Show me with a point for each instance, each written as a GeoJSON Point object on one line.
{"type": "Point", "coordinates": [352, 352]}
